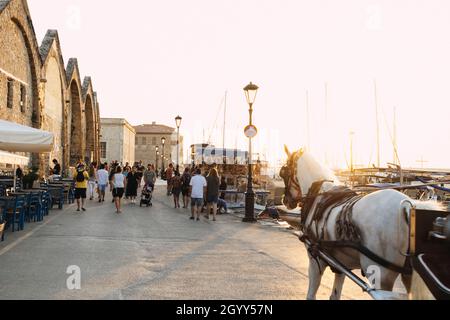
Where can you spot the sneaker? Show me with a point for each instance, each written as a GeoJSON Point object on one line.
{"type": "Point", "coordinates": [191, 218]}
{"type": "Point", "coordinates": [214, 219]}
{"type": "Point", "coordinates": [100, 201]}
{"type": "Point", "coordinates": [78, 209]}
{"type": "Point", "coordinates": [198, 219]}
{"type": "Point", "coordinates": [83, 209]}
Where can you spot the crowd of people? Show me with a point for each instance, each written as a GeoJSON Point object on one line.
{"type": "Point", "coordinates": [199, 190]}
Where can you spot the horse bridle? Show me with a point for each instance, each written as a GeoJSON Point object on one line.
{"type": "Point", "coordinates": [289, 175]}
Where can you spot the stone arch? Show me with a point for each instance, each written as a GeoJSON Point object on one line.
{"type": "Point", "coordinates": [34, 75]}
{"type": "Point", "coordinates": [90, 116]}
{"type": "Point", "coordinates": [20, 64]}
{"type": "Point", "coordinates": [77, 120]}
{"type": "Point", "coordinates": [53, 99]}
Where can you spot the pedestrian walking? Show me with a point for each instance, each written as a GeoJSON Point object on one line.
{"type": "Point", "coordinates": [185, 183]}
{"type": "Point", "coordinates": [132, 185]}
{"type": "Point", "coordinates": [112, 172]}
{"type": "Point", "coordinates": [102, 181]}
{"type": "Point", "coordinates": [198, 187]}
{"type": "Point", "coordinates": [212, 193]}
{"type": "Point", "coordinates": [169, 175]}
{"type": "Point", "coordinates": [176, 189]}
{"type": "Point", "coordinates": [81, 177]}
{"type": "Point", "coordinates": [150, 177]}
{"type": "Point", "coordinates": [92, 183]}
{"type": "Point", "coordinates": [118, 181]}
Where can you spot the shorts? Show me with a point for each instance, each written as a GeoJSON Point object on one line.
{"type": "Point", "coordinates": [176, 192]}
{"type": "Point", "coordinates": [196, 202]}
{"type": "Point", "coordinates": [185, 191]}
{"type": "Point", "coordinates": [80, 193]}
{"type": "Point", "coordinates": [102, 187]}
{"type": "Point", "coordinates": [212, 199]}
{"type": "Point", "coordinates": [118, 192]}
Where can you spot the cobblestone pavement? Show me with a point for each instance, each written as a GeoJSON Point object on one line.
{"type": "Point", "coordinates": [155, 253]}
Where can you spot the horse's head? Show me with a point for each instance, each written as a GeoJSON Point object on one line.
{"type": "Point", "coordinates": [292, 192]}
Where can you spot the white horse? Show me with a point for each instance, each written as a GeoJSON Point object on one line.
{"type": "Point", "coordinates": [381, 218]}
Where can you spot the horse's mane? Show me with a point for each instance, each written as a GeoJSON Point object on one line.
{"type": "Point", "coordinates": [311, 170]}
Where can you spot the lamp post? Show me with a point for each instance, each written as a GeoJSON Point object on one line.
{"type": "Point", "coordinates": [157, 159]}
{"type": "Point", "coordinates": [178, 123]}
{"type": "Point", "coordinates": [250, 132]}
{"type": "Point", "coordinates": [163, 142]}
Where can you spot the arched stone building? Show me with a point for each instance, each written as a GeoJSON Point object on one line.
{"type": "Point", "coordinates": [20, 66]}
{"type": "Point", "coordinates": [53, 97]}
{"type": "Point", "coordinates": [37, 91]}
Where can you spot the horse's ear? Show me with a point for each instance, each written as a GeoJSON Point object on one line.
{"type": "Point", "coordinates": [287, 151]}
{"type": "Point", "coordinates": [301, 151]}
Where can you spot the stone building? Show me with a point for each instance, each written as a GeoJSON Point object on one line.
{"type": "Point", "coordinates": [149, 136]}
{"type": "Point", "coordinates": [117, 141]}
{"type": "Point", "coordinates": [36, 89]}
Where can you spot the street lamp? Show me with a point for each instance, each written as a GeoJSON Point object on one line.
{"type": "Point", "coordinates": [250, 132]}
{"type": "Point", "coordinates": [163, 142]}
{"type": "Point", "coordinates": [178, 123]}
{"type": "Point", "coordinates": [157, 159]}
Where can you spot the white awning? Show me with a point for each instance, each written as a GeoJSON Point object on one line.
{"type": "Point", "coordinates": [18, 138]}
{"type": "Point", "coordinates": [11, 158]}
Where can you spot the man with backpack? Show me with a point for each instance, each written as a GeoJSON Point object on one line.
{"type": "Point", "coordinates": [81, 182]}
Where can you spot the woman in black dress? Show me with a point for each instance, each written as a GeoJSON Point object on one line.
{"type": "Point", "coordinates": [132, 185]}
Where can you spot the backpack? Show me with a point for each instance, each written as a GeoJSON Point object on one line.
{"type": "Point", "coordinates": [186, 179]}
{"type": "Point", "coordinates": [80, 176]}
{"type": "Point", "coordinates": [176, 182]}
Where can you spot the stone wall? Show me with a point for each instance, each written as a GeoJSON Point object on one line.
{"type": "Point", "coordinates": [119, 137]}
{"type": "Point", "coordinates": [38, 91]}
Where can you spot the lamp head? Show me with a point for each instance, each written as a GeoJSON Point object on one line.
{"type": "Point", "coordinates": [250, 93]}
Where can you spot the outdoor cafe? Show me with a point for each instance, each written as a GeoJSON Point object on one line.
{"type": "Point", "coordinates": [21, 203]}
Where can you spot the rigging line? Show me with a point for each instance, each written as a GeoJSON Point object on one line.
{"type": "Point", "coordinates": [217, 118]}
{"type": "Point", "coordinates": [390, 136]}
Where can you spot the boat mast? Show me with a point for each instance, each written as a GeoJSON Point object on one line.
{"type": "Point", "coordinates": [224, 120]}
{"type": "Point", "coordinates": [307, 122]}
{"type": "Point", "coordinates": [378, 123]}
{"type": "Point", "coordinates": [396, 159]}
{"type": "Point", "coordinates": [326, 123]}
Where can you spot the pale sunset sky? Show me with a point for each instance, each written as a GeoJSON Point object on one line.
{"type": "Point", "coordinates": [152, 60]}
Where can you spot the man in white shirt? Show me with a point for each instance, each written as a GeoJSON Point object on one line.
{"type": "Point", "coordinates": [198, 189]}
{"type": "Point", "coordinates": [102, 180]}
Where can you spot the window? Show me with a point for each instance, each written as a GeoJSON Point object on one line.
{"type": "Point", "coordinates": [103, 150]}
{"type": "Point", "coordinates": [10, 94]}
{"type": "Point", "coordinates": [23, 98]}
{"type": "Point", "coordinates": [144, 141]}
{"type": "Point", "coordinates": [136, 141]}
{"type": "Point", "coordinates": [154, 141]}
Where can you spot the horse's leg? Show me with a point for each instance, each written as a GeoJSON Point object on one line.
{"type": "Point", "coordinates": [380, 277]}
{"type": "Point", "coordinates": [339, 279]}
{"type": "Point", "coordinates": [407, 281]}
{"type": "Point", "coordinates": [315, 276]}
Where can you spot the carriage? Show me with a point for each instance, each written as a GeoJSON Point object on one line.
{"type": "Point", "coordinates": [384, 233]}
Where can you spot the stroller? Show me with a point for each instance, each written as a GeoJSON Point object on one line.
{"type": "Point", "coordinates": [146, 196]}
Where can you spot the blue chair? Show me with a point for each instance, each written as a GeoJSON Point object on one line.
{"type": "Point", "coordinates": [15, 213]}
{"type": "Point", "coordinates": [35, 207]}
{"type": "Point", "coordinates": [57, 196]}
{"type": "Point", "coordinates": [46, 200]}
{"type": "Point", "coordinates": [3, 206]}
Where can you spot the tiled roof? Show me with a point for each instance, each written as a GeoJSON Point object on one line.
{"type": "Point", "coordinates": [46, 45]}
{"type": "Point", "coordinates": [153, 129]}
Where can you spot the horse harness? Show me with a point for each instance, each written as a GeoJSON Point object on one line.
{"type": "Point", "coordinates": [319, 206]}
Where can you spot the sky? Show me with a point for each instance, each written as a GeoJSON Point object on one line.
{"type": "Point", "coordinates": [153, 60]}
